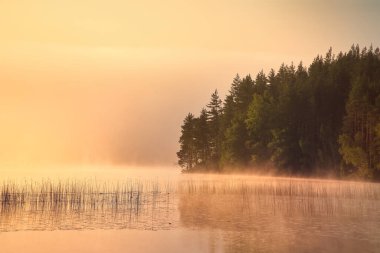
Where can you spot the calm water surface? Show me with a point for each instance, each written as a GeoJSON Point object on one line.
{"type": "Point", "coordinates": [108, 209]}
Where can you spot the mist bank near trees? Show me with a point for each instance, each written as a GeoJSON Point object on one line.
{"type": "Point", "coordinates": [316, 120]}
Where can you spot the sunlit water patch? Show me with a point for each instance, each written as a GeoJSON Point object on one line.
{"type": "Point", "coordinates": [232, 213]}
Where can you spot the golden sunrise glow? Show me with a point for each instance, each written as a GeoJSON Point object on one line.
{"type": "Point", "coordinates": [110, 81]}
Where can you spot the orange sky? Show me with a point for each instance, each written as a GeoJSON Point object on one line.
{"type": "Point", "coordinates": [111, 81]}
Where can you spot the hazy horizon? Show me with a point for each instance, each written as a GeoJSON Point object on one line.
{"type": "Point", "coordinates": [86, 81]}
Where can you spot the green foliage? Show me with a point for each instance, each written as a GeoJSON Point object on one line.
{"type": "Point", "coordinates": [201, 139]}
{"type": "Point", "coordinates": [320, 119]}
{"type": "Point", "coordinates": [259, 122]}
{"type": "Point", "coordinates": [359, 141]}
{"type": "Point", "coordinates": [355, 155]}
{"type": "Point", "coordinates": [187, 154]}
{"type": "Point", "coordinates": [214, 114]}
{"type": "Point", "coordinates": [235, 151]}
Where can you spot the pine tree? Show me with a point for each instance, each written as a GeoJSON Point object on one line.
{"type": "Point", "coordinates": [215, 126]}
{"type": "Point", "coordinates": [315, 120]}
{"type": "Point", "coordinates": [359, 141]}
{"type": "Point", "coordinates": [187, 153]}
{"type": "Point", "coordinates": [201, 138]}
{"type": "Point", "coordinates": [235, 150]}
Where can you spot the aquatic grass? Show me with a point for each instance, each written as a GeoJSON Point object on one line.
{"type": "Point", "coordinates": [75, 194]}
{"type": "Point", "coordinates": [282, 187]}
{"type": "Point", "coordinates": [75, 203]}
{"type": "Point", "coordinates": [288, 196]}
{"type": "Point", "coordinates": [311, 196]}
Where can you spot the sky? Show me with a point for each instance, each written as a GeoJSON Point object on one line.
{"type": "Point", "coordinates": [111, 81]}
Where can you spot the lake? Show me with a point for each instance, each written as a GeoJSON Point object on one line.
{"type": "Point", "coordinates": [118, 209]}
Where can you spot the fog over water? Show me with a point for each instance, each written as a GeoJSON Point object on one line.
{"type": "Point", "coordinates": [118, 209]}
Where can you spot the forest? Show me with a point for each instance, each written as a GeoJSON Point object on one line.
{"type": "Point", "coordinates": [320, 120]}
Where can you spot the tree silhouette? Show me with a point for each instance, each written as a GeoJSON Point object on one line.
{"type": "Point", "coordinates": [318, 120]}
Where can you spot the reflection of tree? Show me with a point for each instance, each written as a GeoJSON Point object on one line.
{"type": "Point", "coordinates": [212, 211]}
{"type": "Point", "coordinates": [242, 230]}
{"type": "Point", "coordinates": [245, 225]}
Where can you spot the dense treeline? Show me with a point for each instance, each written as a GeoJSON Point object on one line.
{"type": "Point", "coordinates": [324, 119]}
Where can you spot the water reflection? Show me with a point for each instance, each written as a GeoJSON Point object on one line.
{"type": "Point", "coordinates": [235, 214]}
{"type": "Point", "coordinates": [275, 216]}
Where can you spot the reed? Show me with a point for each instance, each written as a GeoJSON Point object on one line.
{"type": "Point", "coordinates": [254, 195]}
{"type": "Point", "coordinates": [284, 196]}
{"type": "Point", "coordinates": [77, 195]}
